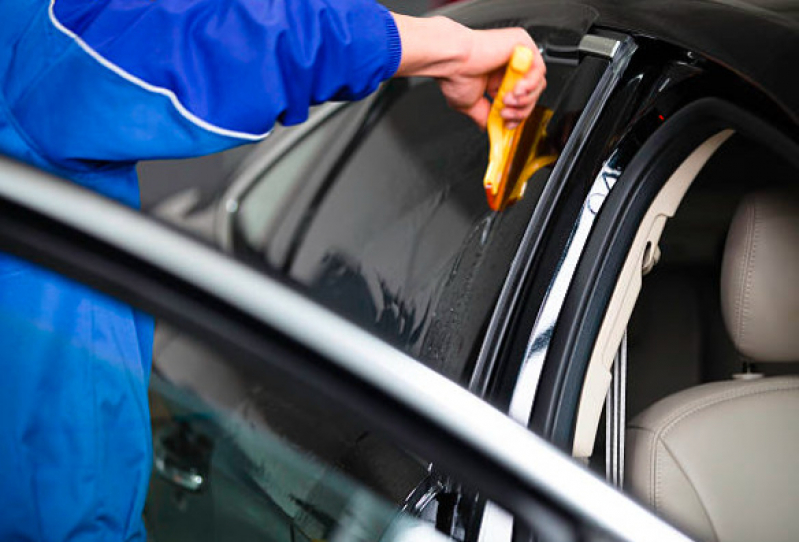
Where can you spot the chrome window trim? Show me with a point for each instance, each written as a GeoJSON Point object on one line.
{"type": "Point", "coordinates": [521, 405]}
{"type": "Point", "coordinates": [519, 268]}
{"type": "Point", "coordinates": [423, 494]}
{"type": "Point", "coordinates": [497, 524]}
{"type": "Point", "coordinates": [537, 466]}
{"type": "Point", "coordinates": [599, 46]}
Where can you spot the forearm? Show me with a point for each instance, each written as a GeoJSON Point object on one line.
{"type": "Point", "coordinates": [440, 47]}
{"type": "Point", "coordinates": [431, 47]}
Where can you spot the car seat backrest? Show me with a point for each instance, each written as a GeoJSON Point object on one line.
{"type": "Point", "coordinates": [719, 459]}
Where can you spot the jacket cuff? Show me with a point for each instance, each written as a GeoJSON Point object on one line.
{"type": "Point", "coordinates": [393, 45]}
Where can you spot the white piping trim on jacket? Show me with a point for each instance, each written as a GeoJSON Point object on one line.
{"type": "Point", "coordinates": [147, 86]}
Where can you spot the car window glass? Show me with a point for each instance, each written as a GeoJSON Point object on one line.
{"type": "Point", "coordinates": [398, 236]}
{"type": "Point", "coordinates": [277, 464]}
{"type": "Point", "coordinates": [264, 199]}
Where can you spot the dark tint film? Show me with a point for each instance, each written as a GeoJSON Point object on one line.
{"type": "Point", "coordinates": [399, 237]}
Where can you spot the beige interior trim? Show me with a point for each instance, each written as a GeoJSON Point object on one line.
{"type": "Point", "coordinates": [640, 258]}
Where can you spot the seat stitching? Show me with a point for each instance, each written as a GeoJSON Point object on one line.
{"type": "Point", "coordinates": [729, 396]}
{"type": "Point", "coordinates": [651, 486]}
{"type": "Point", "coordinates": [742, 274]}
{"type": "Point", "coordinates": [750, 268]}
{"type": "Point", "coordinates": [739, 278]}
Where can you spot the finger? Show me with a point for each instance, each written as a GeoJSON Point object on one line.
{"type": "Point", "coordinates": [524, 92]}
{"type": "Point", "coordinates": [528, 98]}
{"type": "Point", "coordinates": [532, 80]}
{"type": "Point", "coordinates": [524, 104]}
{"type": "Point", "coordinates": [526, 86]}
{"type": "Point", "coordinates": [513, 116]}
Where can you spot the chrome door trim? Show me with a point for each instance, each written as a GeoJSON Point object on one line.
{"type": "Point", "coordinates": [521, 405]}
{"type": "Point", "coordinates": [519, 268]}
{"type": "Point", "coordinates": [599, 46]}
{"type": "Point", "coordinates": [537, 466]}
{"type": "Point", "coordinates": [497, 524]}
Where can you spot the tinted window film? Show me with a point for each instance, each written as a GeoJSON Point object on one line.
{"type": "Point", "coordinates": [263, 202]}
{"type": "Point", "coordinates": [399, 236]}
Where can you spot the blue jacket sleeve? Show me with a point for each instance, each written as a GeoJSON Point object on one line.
{"type": "Point", "coordinates": [134, 79]}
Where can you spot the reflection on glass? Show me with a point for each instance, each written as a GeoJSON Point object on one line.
{"type": "Point", "coordinates": [261, 205]}
{"type": "Point", "coordinates": [399, 237]}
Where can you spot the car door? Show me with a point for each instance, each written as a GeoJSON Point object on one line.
{"type": "Point", "coordinates": [377, 209]}
{"type": "Point", "coordinates": [279, 340]}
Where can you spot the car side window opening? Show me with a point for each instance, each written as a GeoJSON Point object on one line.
{"type": "Point", "coordinates": [242, 454]}
{"type": "Point", "coordinates": [246, 455]}
{"type": "Point", "coordinates": [399, 237]}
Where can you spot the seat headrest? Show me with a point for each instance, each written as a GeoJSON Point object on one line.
{"type": "Point", "coordinates": [760, 277]}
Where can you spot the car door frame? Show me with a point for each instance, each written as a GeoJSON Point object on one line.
{"type": "Point", "coordinates": [270, 328]}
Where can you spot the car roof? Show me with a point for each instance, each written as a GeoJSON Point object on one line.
{"type": "Point", "coordinates": [758, 39]}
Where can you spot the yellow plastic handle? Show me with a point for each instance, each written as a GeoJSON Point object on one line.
{"type": "Point", "coordinates": [502, 139]}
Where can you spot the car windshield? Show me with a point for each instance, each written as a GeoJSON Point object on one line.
{"type": "Point", "coordinates": [394, 231]}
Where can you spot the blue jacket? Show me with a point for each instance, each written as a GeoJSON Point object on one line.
{"type": "Point", "coordinates": [87, 87]}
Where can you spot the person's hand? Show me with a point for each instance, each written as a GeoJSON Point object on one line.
{"type": "Point", "coordinates": [469, 64]}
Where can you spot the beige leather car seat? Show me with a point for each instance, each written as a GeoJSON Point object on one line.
{"type": "Point", "coordinates": [721, 460]}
